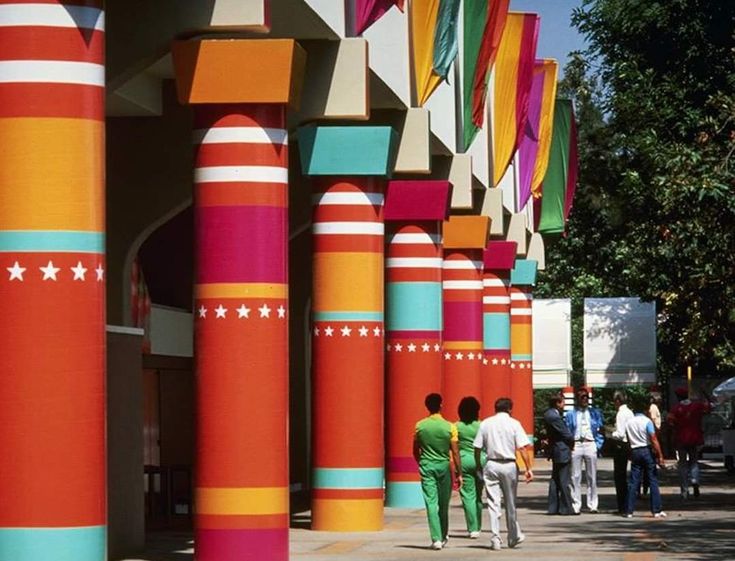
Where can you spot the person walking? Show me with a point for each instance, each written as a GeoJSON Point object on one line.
{"type": "Point", "coordinates": [585, 423]}
{"type": "Point", "coordinates": [645, 452]}
{"type": "Point", "coordinates": [561, 444]}
{"type": "Point", "coordinates": [501, 437]}
{"type": "Point", "coordinates": [621, 450]}
{"type": "Point", "coordinates": [686, 421]}
{"type": "Point", "coordinates": [471, 490]}
{"type": "Point", "coordinates": [434, 440]}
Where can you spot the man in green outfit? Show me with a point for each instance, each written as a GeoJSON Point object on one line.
{"type": "Point", "coordinates": [435, 438]}
{"type": "Point", "coordinates": [471, 490]}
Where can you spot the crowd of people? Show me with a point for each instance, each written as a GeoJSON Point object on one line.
{"type": "Point", "coordinates": [484, 458]}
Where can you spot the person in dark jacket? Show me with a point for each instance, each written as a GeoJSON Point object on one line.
{"type": "Point", "coordinates": [561, 444]}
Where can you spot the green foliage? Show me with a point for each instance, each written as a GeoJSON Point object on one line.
{"type": "Point", "coordinates": [654, 213]}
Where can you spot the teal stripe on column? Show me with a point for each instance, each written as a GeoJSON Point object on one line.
{"type": "Point", "coordinates": [404, 494]}
{"type": "Point", "coordinates": [348, 316]}
{"type": "Point", "coordinates": [414, 306]}
{"type": "Point", "coordinates": [52, 241]}
{"type": "Point", "coordinates": [53, 544]}
{"type": "Point", "coordinates": [496, 331]}
{"type": "Point", "coordinates": [520, 357]}
{"type": "Point", "coordinates": [348, 478]}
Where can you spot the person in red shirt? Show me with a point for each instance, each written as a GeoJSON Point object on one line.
{"type": "Point", "coordinates": [686, 421]}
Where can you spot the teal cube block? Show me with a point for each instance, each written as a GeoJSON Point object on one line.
{"type": "Point", "coordinates": [337, 150]}
{"type": "Point", "coordinates": [524, 272]}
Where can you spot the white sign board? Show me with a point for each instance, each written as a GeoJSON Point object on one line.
{"type": "Point", "coordinates": [552, 343]}
{"type": "Point", "coordinates": [172, 332]}
{"type": "Point", "coordinates": [619, 341]}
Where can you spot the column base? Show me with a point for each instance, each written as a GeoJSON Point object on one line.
{"type": "Point", "coordinates": [347, 515]}
{"type": "Point", "coordinates": [404, 494]}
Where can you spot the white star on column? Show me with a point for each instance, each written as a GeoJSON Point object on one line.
{"type": "Point", "coordinates": [16, 271]}
{"type": "Point", "coordinates": [281, 312]}
{"type": "Point", "coordinates": [484, 361]}
{"type": "Point", "coordinates": [49, 271]}
{"type": "Point", "coordinates": [220, 311]}
{"type": "Point", "coordinates": [243, 311]}
{"type": "Point", "coordinates": [459, 356]}
{"type": "Point", "coordinates": [363, 331]}
{"type": "Point", "coordinates": [265, 311]}
{"type": "Point", "coordinates": [79, 271]}
{"type": "Point", "coordinates": [328, 331]}
{"type": "Point", "coordinates": [447, 356]}
{"type": "Point", "coordinates": [528, 365]}
{"type": "Point", "coordinates": [316, 331]}
{"type": "Point", "coordinates": [202, 312]}
{"type": "Point", "coordinates": [425, 347]}
{"type": "Point", "coordinates": [521, 365]}
{"type": "Point", "coordinates": [471, 356]}
{"type": "Point", "coordinates": [411, 348]}
{"type": "Point", "coordinates": [346, 331]}
{"type": "Point", "coordinates": [437, 348]}
{"type": "Point", "coordinates": [502, 361]}
{"type": "Point", "coordinates": [100, 272]}
{"type": "Point", "coordinates": [495, 361]}
{"type": "Point", "coordinates": [398, 347]}
{"type": "Point", "coordinates": [376, 331]}
{"type": "Point", "coordinates": [512, 365]}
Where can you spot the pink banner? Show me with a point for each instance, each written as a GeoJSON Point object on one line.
{"type": "Point", "coordinates": [367, 12]}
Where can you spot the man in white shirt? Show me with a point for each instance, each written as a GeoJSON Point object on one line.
{"type": "Point", "coordinates": [501, 436]}
{"type": "Point", "coordinates": [621, 450]}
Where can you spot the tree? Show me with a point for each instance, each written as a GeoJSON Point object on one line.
{"type": "Point", "coordinates": [654, 214]}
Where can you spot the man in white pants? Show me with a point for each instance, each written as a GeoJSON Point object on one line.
{"type": "Point", "coordinates": [585, 423]}
{"type": "Point", "coordinates": [500, 437]}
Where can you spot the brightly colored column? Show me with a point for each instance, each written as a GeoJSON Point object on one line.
{"type": "Point", "coordinates": [240, 305]}
{"type": "Point", "coordinates": [465, 238]}
{"type": "Point", "coordinates": [348, 165]}
{"type": "Point", "coordinates": [52, 285]}
{"type": "Point", "coordinates": [522, 280]}
{"type": "Point", "coordinates": [414, 211]}
{"type": "Point", "coordinates": [498, 262]}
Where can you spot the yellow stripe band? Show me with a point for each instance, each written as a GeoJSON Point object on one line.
{"type": "Point", "coordinates": [462, 345]}
{"type": "Point", "coordinates": [242, 500]}
{"type": "Point", "coordinates": [242, 290]}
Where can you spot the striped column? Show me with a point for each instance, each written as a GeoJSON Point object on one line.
{"type": "Point", "coordinates": [347, 351]}
{"type": "Point", "coordinates": [241, 332]}
{"type": "Point", "coordinates": [499, 258]}
{"type": "Point", "coordinates": [414, 211]}
{"type": "Point", "coordinates": [52, 289]}
{"type": "Point", "coordinates": [521, 341]}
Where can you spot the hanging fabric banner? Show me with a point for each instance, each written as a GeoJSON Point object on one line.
{"type": "Point", "coordinates": [513, 77]}
{"type": "Point", "coordinates": [484, 22]}
{"type": "Point", "coordinates": [561, 171]}
{"type": "Point", "coordinates": [367, 12]}
{"type": "Point", "coordinates": [573, 169]}
{"type": "Point", "coordinates": [434, 30]}
{"type": "Point", "coordinates": [536, 138]}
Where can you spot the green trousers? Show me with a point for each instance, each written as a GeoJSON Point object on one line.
{"type": "Point", "coordinates": [471, 494]}
{"type": "Point", "coordinates": [436, 485]}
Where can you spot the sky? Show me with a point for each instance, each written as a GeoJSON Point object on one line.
{"type": "Point", "coordinates": [557, 37]}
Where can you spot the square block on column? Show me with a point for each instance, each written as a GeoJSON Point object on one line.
{"type": "Point", "coordinates": [417, 200]}
{"type": "Point", "coordinates": [500, 256]}
{"type": "Point", "coordinates": [466, 232]}
{"type": "Point", "coordinates": [524, 273]}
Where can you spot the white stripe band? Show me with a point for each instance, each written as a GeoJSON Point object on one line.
{"type": "Point", "coordinates": [495, 300]}
{"type": "Point", "coordinates": [243, 135]}
{"type": "Point", "coordinates": [463, 265]}
{"type": "Point", "coordinates": [358, 228]}
{"type": "Point", "coordinates": [413, 262]}
{"type": "Point", "coordinates": [417, 238]}
{"type": "Point", "coordinates": [524, 296]}
{"type": "Point", "coordinates": [52, 72]}
{"type": "Point", "coordinates": [232, 174]}
{"type": "Point", "coordinates": [353, 198]}
{"type": "Point", "coordinates": [494, 282]}
{"type": "Point", "coordinates": [51, 15]}
{"type": "Point", "coordinates": [521, 311]}
{"type": "Point", "coordinates": [462, 285]}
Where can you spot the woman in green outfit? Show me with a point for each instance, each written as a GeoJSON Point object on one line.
{"type": "Point", "coordinates": [471, 490]}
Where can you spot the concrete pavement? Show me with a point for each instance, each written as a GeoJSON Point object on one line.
{"type": "Point", "coordinates": [696, 530]}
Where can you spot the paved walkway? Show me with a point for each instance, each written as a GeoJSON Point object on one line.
{"type": "Point", "coordinates": [696, 530]}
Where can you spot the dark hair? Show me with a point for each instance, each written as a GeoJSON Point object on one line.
{"type": "Point", "coordinates": [555, 400]}
{"type": "Point", "coordinates": [433, 402]}
{"type": "Point", "coordinates": [620, 396]}
{"type": "Point", "coordinates": [639, 403]}
{"type": "Point", "coordinates": [504, 405]}
{"type": "Point", "coordinates": [469, 410]}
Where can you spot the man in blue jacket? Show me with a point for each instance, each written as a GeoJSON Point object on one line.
{"type": "Point", "coordinates": [585, 423]}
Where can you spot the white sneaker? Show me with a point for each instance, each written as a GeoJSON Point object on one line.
{"type": "Point", "coordinates": [516, 542]}
{"type": "Point", "coordinates": [661, 514]}
{"type": "Point", "coordinates": [436, 545]}
{"type": "Point", "coordinates": [444, 541]}
{"type": "Point", "coordinates": [474, 535]}
{"type": "Point", "coordinates": [627, 515]}
{"type": "Point", "coordinates": [495, 545]}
